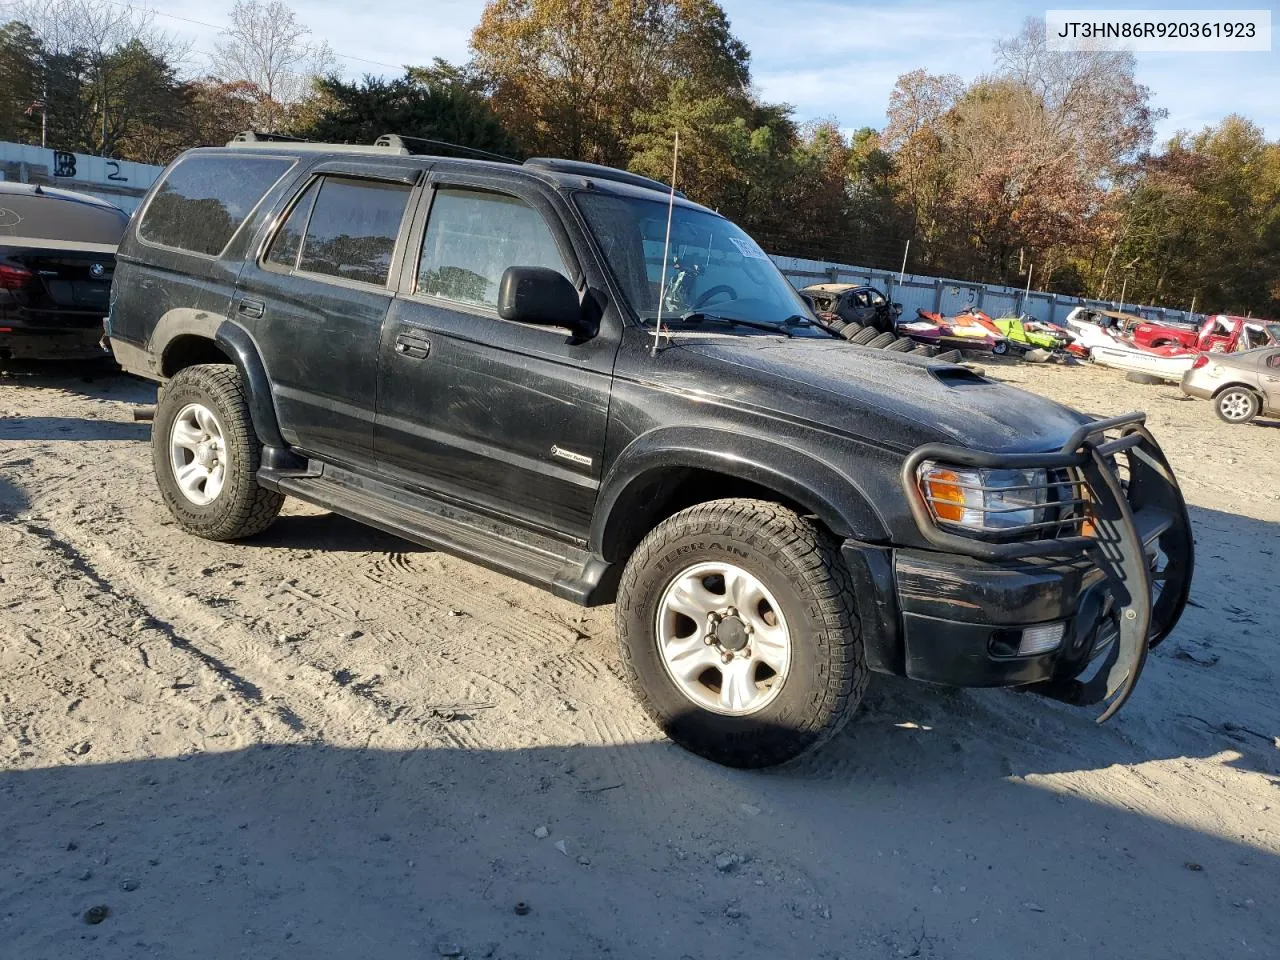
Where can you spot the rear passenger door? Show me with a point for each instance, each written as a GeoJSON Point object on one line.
{"type": "Point", "coordinates": [317, 295]}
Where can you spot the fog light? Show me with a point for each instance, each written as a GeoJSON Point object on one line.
{"type": "Point", "coordinates": [1041, 639]}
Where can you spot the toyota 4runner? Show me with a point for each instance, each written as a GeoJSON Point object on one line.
{"type": "Point", "coordinates": [576, 376]}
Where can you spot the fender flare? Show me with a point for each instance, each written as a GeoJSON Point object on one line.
{"type": "Point", "coordinates": [833, 496]}
{"type": "Point", "coordinates": [238, 344]}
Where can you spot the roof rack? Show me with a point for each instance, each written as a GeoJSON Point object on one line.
{"type": "Point", "coordinates": [394, 144]}
{"type": "Point", "coordinates": [398, 140]}
{"type": "Point", "coordinates": [251, 138]}
{"type": "Point", "coordinates": [600, 172]}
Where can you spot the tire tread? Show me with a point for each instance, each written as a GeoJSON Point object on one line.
{"type": "Point", "coordinates": [815, 555]}
{"type": "Point", "coordinates": [256, 507]}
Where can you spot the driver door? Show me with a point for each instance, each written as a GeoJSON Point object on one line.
{"type": "Point", "coordinates": [498, 415]}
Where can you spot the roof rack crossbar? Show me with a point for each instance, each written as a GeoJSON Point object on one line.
{"type": "Point", "coordinates": [399, 139]}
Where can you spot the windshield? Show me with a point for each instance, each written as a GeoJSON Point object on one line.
{"type": "Point", "coordinates": [713, 267]}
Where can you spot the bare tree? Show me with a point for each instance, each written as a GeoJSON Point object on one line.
{"type": "Point", "coordinates": [95, 27]}
{"type": "Point", "coordinates": [267, 46]}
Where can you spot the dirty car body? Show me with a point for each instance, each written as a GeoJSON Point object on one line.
{"type": "Point", "coordinates": [991, 537]}
{"type": "Point", "coordinates": [57, 257]}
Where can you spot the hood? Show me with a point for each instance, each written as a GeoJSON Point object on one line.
{"type": "Point", "coordinates": [886, 398]}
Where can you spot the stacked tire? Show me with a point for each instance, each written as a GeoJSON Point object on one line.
{"type": "Point", "coordinates": [867, 336]}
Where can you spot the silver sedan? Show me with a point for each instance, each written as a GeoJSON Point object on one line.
{"type": "Point", "coordinates": [1241, 385]}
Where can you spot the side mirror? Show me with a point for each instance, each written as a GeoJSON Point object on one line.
{"type": "Point", "coordinates": [540, 296]}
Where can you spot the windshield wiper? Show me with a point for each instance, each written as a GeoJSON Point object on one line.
{"type": "Point", "coordinates": [695, 317]}
{"type": "Point", "coordinates": [800, 320]}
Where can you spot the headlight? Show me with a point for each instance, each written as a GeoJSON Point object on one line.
{"type": "Point", "coordinates": [986, 501]}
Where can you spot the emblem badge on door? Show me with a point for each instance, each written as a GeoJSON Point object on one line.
{"type": "Point", "coordinates": [563, 454]}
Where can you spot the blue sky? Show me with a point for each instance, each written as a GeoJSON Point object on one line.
{"type": "Point", "coordinates": [829, 58]}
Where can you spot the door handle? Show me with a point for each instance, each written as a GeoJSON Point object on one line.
{"type": "Point", "coordinates": [412, 345]}
{"type": "Point", "coordinates": [251, 308]}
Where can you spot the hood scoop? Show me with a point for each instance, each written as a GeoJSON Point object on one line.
{"type": "Point", "coordinates": [957, 376]}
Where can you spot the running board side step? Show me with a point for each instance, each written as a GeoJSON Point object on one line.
{"type": "Point", "coordinates": [567, 571]}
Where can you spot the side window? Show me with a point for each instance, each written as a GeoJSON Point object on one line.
{"type": "Point", "coordinates": [1273, 361]}
{"type": "Point", "coordinates": [288, 242]}
{"type": "Point", "coordinates": [352, 229]}
{"type": "Point", "coordinates": [471, 239]}
{"type": "Point", "coordinates": [205, 198]}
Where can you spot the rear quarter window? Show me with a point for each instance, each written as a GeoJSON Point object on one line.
{"type": "Point", "coordinates": [204, 199]}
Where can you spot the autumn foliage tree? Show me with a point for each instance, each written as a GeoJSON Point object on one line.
{"type": "Point", "coordinates": [574, 77]}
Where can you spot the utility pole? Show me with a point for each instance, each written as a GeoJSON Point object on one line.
{"type": "Point", "coordinates": [903, 272]}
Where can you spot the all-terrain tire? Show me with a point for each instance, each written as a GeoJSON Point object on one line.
{"type": "Point", "coordinates": [1237, 405]}
{"type": "Point", "coordinates": [865, 335]}
{"type": "Point", "coordinates": [801, 566]}
{"type": "Point", "coordinates": [241, 508]}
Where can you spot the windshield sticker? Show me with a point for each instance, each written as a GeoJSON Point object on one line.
{"type": "Point", "coordinates": [749, 248]}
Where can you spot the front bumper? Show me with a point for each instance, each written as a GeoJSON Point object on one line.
{"type": "Point", "coordinates": [962, 619]}
{"type": "Point", "coordinates": [953, 615]}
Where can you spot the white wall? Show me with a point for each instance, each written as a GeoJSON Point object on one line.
{"type": "Point", "coordinates": [121, 182]}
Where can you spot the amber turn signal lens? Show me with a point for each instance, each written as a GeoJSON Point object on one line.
{"type": "Point", "coordinates": [946, 496]}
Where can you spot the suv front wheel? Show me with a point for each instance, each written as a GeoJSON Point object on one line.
{"type": "Point", "coordinates": [736, 624]}
{"type": "Point", "coordinates": [206, 455]}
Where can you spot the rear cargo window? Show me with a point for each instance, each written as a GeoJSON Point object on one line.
{"type": "Point", "coordinates": [204, 199]}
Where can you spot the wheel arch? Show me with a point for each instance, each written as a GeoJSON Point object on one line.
{"type": "Point", "coordinates": [665, 472]}
{"type": "Point", "coordinates": [185, 337]}
{"type": "Point", "coordinates": [1235, 384]}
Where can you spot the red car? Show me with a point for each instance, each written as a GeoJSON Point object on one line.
{"type": "Point", "coordinates": [1148, 334]}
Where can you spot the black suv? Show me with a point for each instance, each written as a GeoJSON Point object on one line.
{"type": "Point", "coordinates": [468, 354]}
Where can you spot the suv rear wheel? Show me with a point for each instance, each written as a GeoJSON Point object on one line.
{"type": "Point", "coordinates": [206, 455]}
{"type": "Point", "coordinates": [737, 630]}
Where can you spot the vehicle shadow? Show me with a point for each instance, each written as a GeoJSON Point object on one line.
{"type": "Point", "coordinates": [71, 428]}
{"type": "Point", "coordinates": [101, 380]}
{"type": "Point", "coordinates": [330, 532]}
{"type": "Point", "coordinates": [321, 851]}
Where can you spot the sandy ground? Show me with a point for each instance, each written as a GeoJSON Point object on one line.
{"type": "Point", "coordinates": [331, 743]}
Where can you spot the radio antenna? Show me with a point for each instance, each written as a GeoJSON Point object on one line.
{"type": "Point", "coordinates": [666, 248]}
